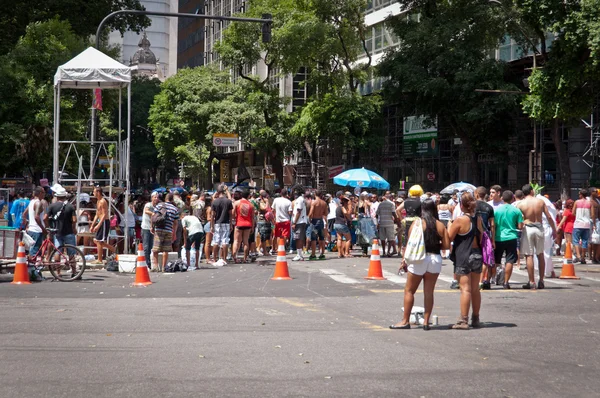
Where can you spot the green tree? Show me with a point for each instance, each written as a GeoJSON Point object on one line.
{"type": "Point", "coordinates": [326, 37]}
{"type": "Point", "coordinates": [26, 109]}
{"type": "Point", "coordinates": [566, 88]}
{"type": "Point", "coordinates": [84, 17]}
{"type": "Point", "coordinates": [144, 155]}
{"type": "Point", "coordinates": [442, 59]}
{"type": "Point", "coordinates": [191, 106]}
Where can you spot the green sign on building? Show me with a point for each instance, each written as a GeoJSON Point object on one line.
{"type": "Point", "coordinates": [420, 137]}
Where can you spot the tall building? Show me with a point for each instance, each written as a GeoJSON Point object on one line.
{"type": "Point", "coordinates": [450, 161]}
{"type": "Point", "coordinates": [190, 46]}
{"type": "Point", "coordinates": [162, 34]}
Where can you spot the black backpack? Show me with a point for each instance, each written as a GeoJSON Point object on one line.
{"type": "Point", "coordinates": [175, 266]}
{"type": "Point", "coordinates": [159, 218]}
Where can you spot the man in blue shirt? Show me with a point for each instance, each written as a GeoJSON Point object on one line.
{"type": "Point", "coordinates": [17, 209]}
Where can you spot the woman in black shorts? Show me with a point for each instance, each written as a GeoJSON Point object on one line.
{"type": "Point", "coordinates": [466, 232]}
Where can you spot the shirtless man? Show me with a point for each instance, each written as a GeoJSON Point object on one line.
{"type": "Point", "coordinates": [101, 226]}
{"type": "Point", "coordinates": [318, 218]}
{"type": "Point", "coordinates": [532, 239]}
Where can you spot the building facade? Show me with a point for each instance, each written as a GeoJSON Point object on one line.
{"type": "Point", "coordinates": [162, 34]}
{"type": "Point", "coordinates": [190, 43]}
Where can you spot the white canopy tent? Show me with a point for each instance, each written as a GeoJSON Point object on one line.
{"type": "Point", "coordinates": [93, 69]}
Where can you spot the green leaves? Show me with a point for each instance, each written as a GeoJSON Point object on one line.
{"type": "Point", "coordinates": [344, 114]}
{"type": "Point", "coordinates": [193, 105]}
{"type": "Point", "coordinates": [563, 89]}
{"type": "Point", "coordinates": [82, 15]}
{"type": "Point", "coordinates": [26, 109]}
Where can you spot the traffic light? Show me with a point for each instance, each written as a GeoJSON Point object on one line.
{"type": "Point", "coordinates": [103, 170]}
{"type": "Point", "coordinates": [266, 29]}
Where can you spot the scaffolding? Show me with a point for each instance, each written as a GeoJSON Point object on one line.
{"type": "Point", "coordinates": [93, 70]}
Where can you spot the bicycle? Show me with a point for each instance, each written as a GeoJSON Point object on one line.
{"type": "Point", "coordinates": [58, 259]}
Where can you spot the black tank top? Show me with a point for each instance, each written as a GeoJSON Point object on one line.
{"type": "Point", "coordinates": [339, 216]}
{"type": "Point", "coordinates": [433, 240]}
{"type": "Point", "coordinates": [464, 243]}
{"type": "Point", "coordinates": [412, 207]}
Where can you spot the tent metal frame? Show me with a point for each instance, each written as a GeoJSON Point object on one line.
{"type": "Point", "coordinates": [123, 153]}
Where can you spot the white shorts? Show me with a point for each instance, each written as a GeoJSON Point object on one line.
{"type": "Point", "coordinates": [221, 235]}
{"type": "Point", "coordinates": [432, 264]}
{"type": "Point", "coordinates": [532, 241]}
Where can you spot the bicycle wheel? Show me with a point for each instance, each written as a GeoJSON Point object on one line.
{"type": "Point", "coordinates": [66, 264]}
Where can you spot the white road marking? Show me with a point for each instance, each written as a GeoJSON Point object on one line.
{"type": "Point", "coordinates": [548, 280]}
{"type": "Point", "coordinates": [338, 276]}
{"type": "Point", "coordinates": [270, 311]}
{"type": "Point", "coordinates": [394, 278]}
{"type": "Point", "coordinates": [445, 278]}
{"type": "Point", "coordinates": [589, 278]}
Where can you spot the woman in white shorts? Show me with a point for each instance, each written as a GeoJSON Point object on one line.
{"type": "Point", "coordinates": [436, 239]}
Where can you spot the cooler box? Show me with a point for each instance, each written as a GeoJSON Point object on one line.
{"type": "Point", "coordinates": [127, 263]}
{"type": "Point", "coordinates": [9, 242]}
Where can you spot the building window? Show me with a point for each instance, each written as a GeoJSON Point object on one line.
{"type": "Point", "coordinates": [374, 5]}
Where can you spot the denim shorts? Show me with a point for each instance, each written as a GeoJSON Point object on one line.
{"type": "Point", "coordinates": [341, 229]}
{"type": "Point", "coordinates": [582, 234]}
{"type": "Point", "coordinates": [65, 240]}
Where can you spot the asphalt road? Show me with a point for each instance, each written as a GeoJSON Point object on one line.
{"type": "Point", "coordinates": [233, 332]}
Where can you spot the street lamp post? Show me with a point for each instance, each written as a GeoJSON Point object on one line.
{"type": "Point", "coordinates": [266, 20]}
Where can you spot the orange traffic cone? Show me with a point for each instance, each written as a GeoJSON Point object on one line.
{"type": "Point", "coordinates": [281, 266]}
{"type": "Point", "coordinates": [142, 278]}
{"type": "Point", "coordinates": [375, 271]}
{"type": "Point", "coordinates": [568, 269]}
{"type": "Point", "coordinates": [21, 272]}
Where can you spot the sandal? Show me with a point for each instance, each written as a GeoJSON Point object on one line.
{"type": "Point", "coordinates": [475, 322]}
{"type": "Point", "coordinates": [461, 324]}
{"type": "Point", "coordinates": [394, 327]}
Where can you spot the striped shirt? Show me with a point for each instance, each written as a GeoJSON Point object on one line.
{"type": "Point", "coordinates": [386, 211]}
{"type": "Point", "coordinates": [172, 215]}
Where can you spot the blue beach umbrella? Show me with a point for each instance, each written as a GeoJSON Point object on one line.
{"type": "Point", "coordinates": [362, 178]}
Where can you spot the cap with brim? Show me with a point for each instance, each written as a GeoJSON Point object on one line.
{"type": "Point", "coordinates": [84, 197]}
{"type": "Point", "coordinates": [60, 192]}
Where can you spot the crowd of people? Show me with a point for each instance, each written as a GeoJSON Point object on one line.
{"type": "Point", "coordinates": [484, 233]}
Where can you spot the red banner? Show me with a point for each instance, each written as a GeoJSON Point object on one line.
{"type": "Point", "coordinates": [97, 103]}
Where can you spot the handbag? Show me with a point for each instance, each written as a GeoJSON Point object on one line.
{"type": "Point", "coordinates": [415, 247]}
{"type": "Point", "coordinates": [595, 238]}
{"type": "Point", "coordinates": [487, 249]}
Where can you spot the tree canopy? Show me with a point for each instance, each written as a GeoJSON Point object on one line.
{"type": "Point", "coordinates": [324, 37]}
{"type": "Point", "coordinates": [443, 58]}
{"type": "Point", "coordinates": [191, 106]}
{"type": "Point", "coordinates": [84, 16]}
{"type": "Point", "coordinates": [26, 89]}
{"type": "Point", "coordinates": [567, 86]}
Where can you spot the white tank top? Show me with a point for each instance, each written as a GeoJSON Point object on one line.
{"type": "Point", "coordinates": [33, 225]}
